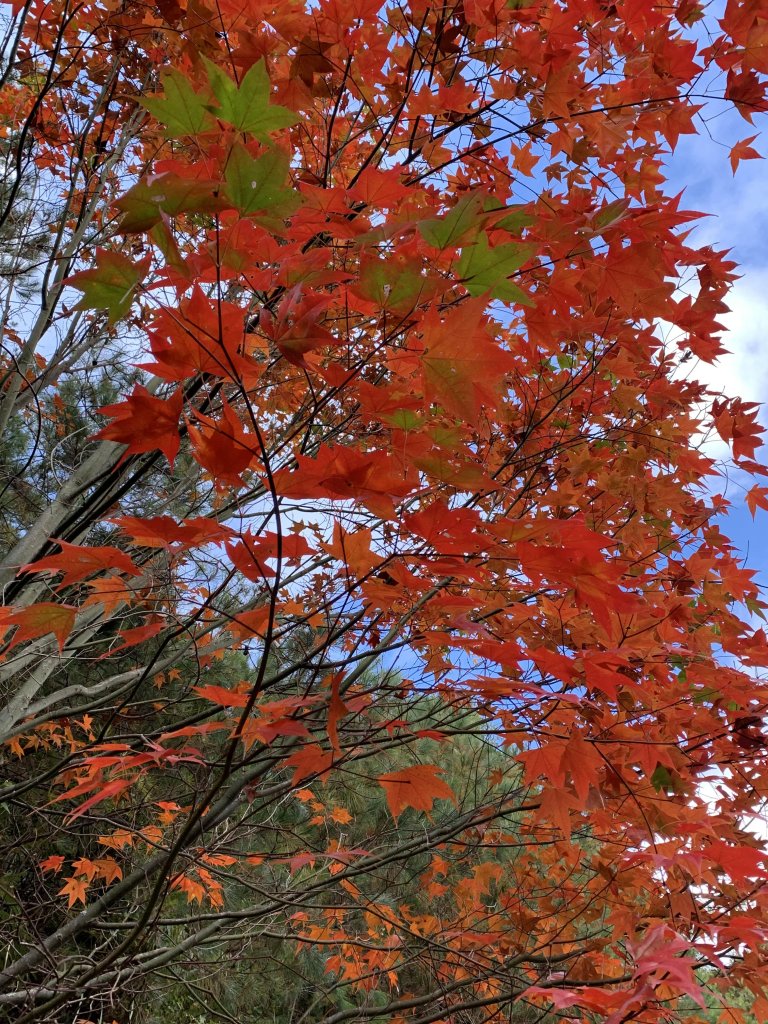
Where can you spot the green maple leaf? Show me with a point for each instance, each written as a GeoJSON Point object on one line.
{"type": "Point", "coordinates": [247, 107]}
{"type": "Point", "coordinates": [182, 110]}
{"type": "Point", "coordinates": [450, 229]}
{"type": "Point", "coordinates": [111, 284]}
{"type": "Point", "coordinates": [465, 220]}
{"type": "Point", "coordinates": [514, 218]}
{"type": "Point", "coordinates": [144, 205]}
{"type": "Point", "coordinates": [258, 184]}
{"type": "Point", "coordinates": [664, 780]}
{"type": "Point", "coordinates": [610, 214]}
{"type": "Point", "coordinates": [394, 284]}
{"type": "Point", "coordinates": [484, 269]}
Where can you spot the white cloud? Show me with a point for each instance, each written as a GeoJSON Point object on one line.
{"type": "Point", "coordinates": [743, 372]}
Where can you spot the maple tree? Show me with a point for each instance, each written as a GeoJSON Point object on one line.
{"type": "Point", "coordinates": [385, 306]}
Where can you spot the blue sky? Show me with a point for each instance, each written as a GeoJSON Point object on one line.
{"type": "Point", "coordinates": [739, 222]}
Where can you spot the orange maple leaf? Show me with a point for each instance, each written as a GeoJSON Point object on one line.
{"type": "Point", "coordinates": [743, 151]}
{"type": "Point", "coordinates": [40, 620]}
{"type": "Point", "coordinates": [310, 760]}
{"type": "Point", "coordinates": [53, 863]}
{"type": "Point", "coordinates": [757, 497]}
{"type": "Point", "coordinates": [75, 889]}
{"type": "Point", "coordinates": [417, 787]}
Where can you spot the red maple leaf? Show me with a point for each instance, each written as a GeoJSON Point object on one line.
{"type": "Point", "coordinates": [144, 423]}
{"type": "Point", "coordinates": [76, 562]}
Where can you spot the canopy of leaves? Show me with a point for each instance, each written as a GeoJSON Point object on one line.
{"type": "Point", "coordinates": [368, 639]}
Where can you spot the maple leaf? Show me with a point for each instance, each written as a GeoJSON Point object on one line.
{"type": "Point", "coordinates": [454, 227]}
{"type": "Point", "coordinates": [583, 764]}
{"type": "Point", "coordinates": [144, 423]}
{"type": "Point", "coordinates": [104, 791]}
{"type": "Point", "coordinates": [136, 635]}
{"type": "Point", "coordinates": [204, 336]}
{"type": "Point", "coordinates": [181, 109]}
{"type": "Point", "coordinates": [197, 337]}
{"type": "Point", "coordinates": [252, 554]}
{"type": "Point", "coordinates": [40, 620]}
{"type": "Point", "coordinates": [747, 92]}
{"type": "Point", "coordinates": [546, 762]}
{"type": "Point", "coordinates": [86, 867]}
{"type": "Point", "coordinates": [740, 862]}
{"type": "Point", "coordinates": [86, 723]}
{"type": "Point", "coordinates": [417, 787]}
{"type": "Point", "coordinates": [111, 284]}
{"type": "Point", "coordinates": [193, 889]}
{"type": "Point", "coordinates": [446, 529]}
{"type": "Point", "coordinates": [222, 446]}
{"type": "Point", "coordinates": [462, 368]}
{"type": "Point", "coordinates": [395, 283]}
{"type": "Point", "coordinates": [310, 761]}
{"type": "Point", "coordinates": [353, 550]}
{"type": "Point", "coordinates": [743, 151]}
{"type": "Point", "coordinates": [163, 531]}
{"type": "Point", "coordinates": [264, 729]}
{"type": "Point", "coordinates": [379, 188]}
{"type": "Point", "coordinates": [251, 623]}
{"type": "Point", "coordinates": [610, 214]}
{"type": "Point", "coordinates": [108, 869]}
{"type": "Point", "coordinates": [557, 805]}
{"type": "Point", "coordinates": [152, 201]}
{"type": "Point", "coordinates": [222, 696]}
{"type": "Point", "coordinates": [247, 106]}
{"type": "Point", "coordinates": [296, 330]}
{"type": "Point", "coordinates": [119, 840]}
{"type": "Point", "coordinates": [219, 859]}
{"type": "Point", "coordinates": [75, 890]}
{"type": "Point", "coordinates": [53, 863]}
{"type": "Point", "coordinates": [757, 497]}
{"type": "Point", "coordinates": [736, 422]}
{"type": "Point", "coordinates": [76, 562]}
{"type": "Point", "coordinates": [373, 477]}
{"type": "Point", "coordinates": [310, 59]}
{"type": "Point", "coordinates": [258, 184]}
{"type": "Point", "coordinates": [485, 270]}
